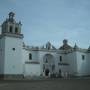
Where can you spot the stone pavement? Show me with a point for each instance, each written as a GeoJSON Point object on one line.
{"type": "Point", "coordinates": [48, 84]}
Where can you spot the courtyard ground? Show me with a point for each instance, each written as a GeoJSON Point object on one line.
{"type": "Point", "coordinates": [49, 84]}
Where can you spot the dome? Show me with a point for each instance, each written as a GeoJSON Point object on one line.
{"type": "Point", "coordinates": [11, 14]}
{"type": "Point", "coordinates": [65, 45]}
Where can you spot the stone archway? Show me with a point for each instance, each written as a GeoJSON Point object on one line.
{"type": "Point", "coordinates": [48, 64]}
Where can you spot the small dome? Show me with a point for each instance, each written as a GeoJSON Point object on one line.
{"type": "Point", "coordinates": [11, 17]}
{"type": "Point", "coordinates": [65, 45]}
{"type": "Point", "coordinates": [65, 41]}
{"type": "Point", "coordinates": [11, 14]}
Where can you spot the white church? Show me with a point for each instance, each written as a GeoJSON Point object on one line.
{"type": "Point", "coordinates": [18, 60]}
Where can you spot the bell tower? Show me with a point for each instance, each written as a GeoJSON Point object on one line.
{"type": "Point", "coordinates": [11, 41]}
{"type": "Point", "coordinates": [10, 27]}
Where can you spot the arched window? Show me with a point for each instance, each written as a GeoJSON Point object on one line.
{"type": "Point", "coordinates": [10, 29]}
{"type": "Point", "coordinates": [46, 61]}
{"type": "Point", "coordinates": [83, 57]}
{"type": "Point", "coordinates": [30, 56]}
{"type": "Point", "coordinates": [60, 58]}
{"type": "Point", "coordinates": [16, 30]}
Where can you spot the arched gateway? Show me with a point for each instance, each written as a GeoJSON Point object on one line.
{"type": "Point", "coordinates": [48, 64]}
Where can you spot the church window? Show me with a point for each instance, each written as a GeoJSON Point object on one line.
{"type": "Point", "coordinates": [60, 58]}
{"type": "Point", "coordinates": [30, 56]}
{"type": "Point", "coordinates": [46, 60]}
{"type": "Point", "coordinates": [83, 57]}
{"type": "Point", "coordinates": [10, 29]}
{"type": "Point", "coordinates": [16, 30]}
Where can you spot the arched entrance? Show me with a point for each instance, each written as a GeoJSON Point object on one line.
{"type": "Point", "coordinates": [48, 64]}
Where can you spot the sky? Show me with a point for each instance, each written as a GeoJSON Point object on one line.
{"type": "Point", "coordinates": [51, 20]}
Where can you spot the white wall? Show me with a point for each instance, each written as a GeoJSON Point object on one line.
{"type": "Point", "coordinates": [82, 64]}
{"type": "Point", "coordinates": [63, 68]}
{"type": "Point", "coordinates": [32, 70]}
{"type": "Point", "coordinates": [88, 63]}
{"type": "Point", "coordinates": [26, 53]}
{"type": "Point", "coordinates": [70, 59]}
{"type": "Point", "coordinates": [13, 58]}
{"type": "Point", "coordinates": [76, 65]}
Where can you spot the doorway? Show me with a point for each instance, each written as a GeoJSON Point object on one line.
{"type": "Point", "coordinates": [47, 72]}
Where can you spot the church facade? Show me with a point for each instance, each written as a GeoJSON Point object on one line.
{"type": "Point", "coordinates": [19, 60]}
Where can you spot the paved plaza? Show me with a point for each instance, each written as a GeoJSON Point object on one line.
{"type": "Point", "coordinates": [54, 84]}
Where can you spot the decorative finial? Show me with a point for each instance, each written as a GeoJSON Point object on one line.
{"type": "Point", "coordinates": [20, 23]}
{"type": "Point", "coordinates": [65, 41]}
{"type": "Point", "coordinates": [48, 45]}
{"type": "Point", "coordinates": [11, 15]}
{"type": "Point", "coordinates": [75, 46]}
